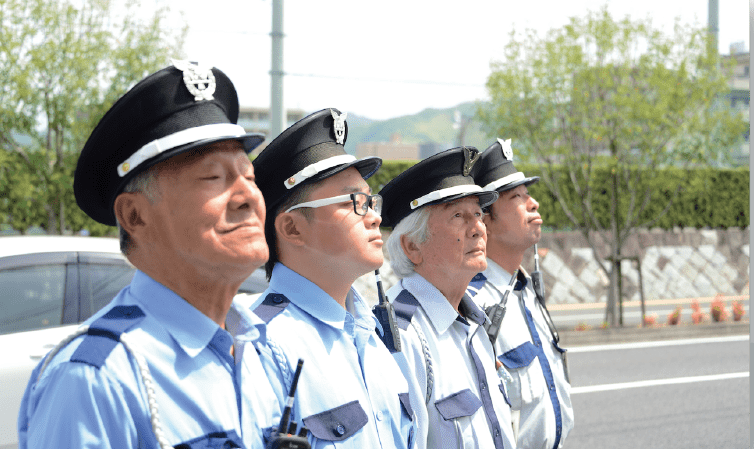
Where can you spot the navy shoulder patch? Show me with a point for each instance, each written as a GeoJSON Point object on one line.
{"type": "Point", "coordinates": [405, 305]}
{"type": "Point", "coordinates": [104, 334]}
{"type": "Point", "coordinates": [273, 304]}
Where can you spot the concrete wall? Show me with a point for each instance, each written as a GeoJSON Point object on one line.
{"type": "Point", "coordinates": [684, 263]}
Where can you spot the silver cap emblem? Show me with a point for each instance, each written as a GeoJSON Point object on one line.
{"type": "Point", "coordinates": [199, 80]}
{"type": "Point", "coordinates": [470, 156]}
{"type": "Point", "coordinates": [507, 150]}
{"type": "Point", "coordinates": [340, 126]}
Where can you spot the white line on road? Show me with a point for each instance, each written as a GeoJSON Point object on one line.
{"type": "Point", "coordinates": [655, 344]}
{"type": "Point", "coordinates": [652, 383]}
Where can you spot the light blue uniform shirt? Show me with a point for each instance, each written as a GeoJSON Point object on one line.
{"type": "Point", "coordinates": [456, 354]}
{"type": "Point", "coordinates": [351, 393]}
{"type": "Point", "coordinates": [196, 383]}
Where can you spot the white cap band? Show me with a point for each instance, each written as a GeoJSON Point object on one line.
{"type": "Point", "coordinates": [317, 167]}
{"type": "Point", "coordinates": [184, 137]}
{"type": "Point", "coordinates": [494, 185]}
{"type": "Point", "coordinates": [444, 193]}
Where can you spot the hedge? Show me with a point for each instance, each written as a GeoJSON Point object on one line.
{"type": "Point", "coordinates": [709, 197]}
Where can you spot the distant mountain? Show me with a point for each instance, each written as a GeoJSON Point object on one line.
{"type": "Point", "coordinates": [429, 125]}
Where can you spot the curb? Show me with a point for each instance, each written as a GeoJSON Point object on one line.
{"type": "Point", "coordinates": [571, 338]}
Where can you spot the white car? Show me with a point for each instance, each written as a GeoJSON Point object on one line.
{"type": "Point", "coordinates": [48, 285]}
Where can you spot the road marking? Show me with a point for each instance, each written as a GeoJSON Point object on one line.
{"type": "Point", "coordinates": [653, 383]}
{"type": "Point", "coordinates": [656, 344]}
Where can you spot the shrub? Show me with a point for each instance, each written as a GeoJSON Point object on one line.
{"type": "Point", "coordinates": [583, 327]}
{"type": "Point", "coordinates": [717, 309]}
{"type": "Point", "coordinates": [650, 320]}
{"type": "Point", "coordinates": [675, 316]}
{"type": "Point", "coordinates": [738, 310]}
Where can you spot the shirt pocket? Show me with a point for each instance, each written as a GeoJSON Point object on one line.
{"type": "Point", "coordinates": [407, 419]}
{"type": "Point", "coordinates": [518, 362]}
{"type": "Point", "coordinates": [456, 411]}
{"type": "Point", "coordinates": [337, 424]}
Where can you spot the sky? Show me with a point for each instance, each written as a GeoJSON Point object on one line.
{"type": "Point", "coordinates": [395, 57]}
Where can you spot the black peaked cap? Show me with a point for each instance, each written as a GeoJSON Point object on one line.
{"type": "Point", "coordinates": [496, 167]}
{"type": "Point", "coordinates": [158, 107]}
{"type": "Point", "coordinates": [311, 140]}
{"type": "Point", "coordinates": [452, 168]}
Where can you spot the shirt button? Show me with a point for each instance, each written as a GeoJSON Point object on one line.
{"type": "Point", "coordinates": [379, 415]}
{"type": "Point", "coordinates": [484, 386]}
{"type": "Point", "coordinates": [340, 430]}
{"type": "Point", "coordinates": [277, 299]}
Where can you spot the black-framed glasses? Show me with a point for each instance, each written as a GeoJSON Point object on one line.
{"type": "Point", "coordinates": [361, 203]}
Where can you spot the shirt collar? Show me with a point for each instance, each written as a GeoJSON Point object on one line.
{"type": "Point", "coordinates": [307, 296]}
{"type": "Point", "coordinates": [191, 329]}
{"type": "Point", "coordinates": [243, 323]}
{"type": "Point", "coordinates": [496, 275]}
{"type": "Point", "coordinates": [435, 305]}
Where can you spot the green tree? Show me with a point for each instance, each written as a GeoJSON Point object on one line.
{"type": "Point", "coordinates": [64, 64]}
{"type": "Point", "coordinates": [620, 95]}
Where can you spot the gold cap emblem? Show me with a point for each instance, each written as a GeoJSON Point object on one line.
{"type": "Point", "coordinates": [470, 156]}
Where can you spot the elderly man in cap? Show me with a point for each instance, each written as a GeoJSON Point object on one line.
{"type": "Point", "coordinates": [437, 245]}
{"type": "Point", "coordinates": [526, 341]}
{"type": "Point", "coordinates": [323, 232]}
{"type": "Point", "coordinates": [155, 368]}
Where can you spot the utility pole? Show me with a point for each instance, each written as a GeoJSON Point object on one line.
{"type": "Point", "coordinates": [277, 113]}
{"type": "Point", "coordinates": [713, 14]}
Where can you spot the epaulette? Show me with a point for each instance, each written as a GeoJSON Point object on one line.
{"type": "Point", "coordinates": [273, 304]}
{"type": "Point", "coordinates": [476, 284]}
{"type": "Point", "coordinates": [405, 305]}
{"type": "Point", "coordinates": [104, 334]}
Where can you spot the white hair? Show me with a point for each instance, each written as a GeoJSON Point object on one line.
{"type": "Point", "coordinates": [146, 184]}
{"type": "Point", "coordinates": [416, 228]}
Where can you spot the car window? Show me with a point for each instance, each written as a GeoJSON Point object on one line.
{"type": "Point", "coordinates": [100, 283]}
{"type": "Point", "coordinates": [32, 297]}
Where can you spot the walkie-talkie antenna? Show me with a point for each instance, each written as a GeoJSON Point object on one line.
{"type": "Point", "coordinates": [284, 440]}
{"type": "Point", "coordinates": [283, 427]}
{"type": "Point", "coordinates": [386, 316]}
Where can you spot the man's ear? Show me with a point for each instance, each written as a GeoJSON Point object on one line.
{"type": "Point", "coordinates": [290, 228]}
{"type": "Point", "coordinates": [133, 212]}
{"type": "Point", "coordinates": [411, 250]}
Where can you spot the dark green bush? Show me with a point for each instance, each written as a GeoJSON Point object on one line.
{"type": "Point", "coordinates": [708, 197]}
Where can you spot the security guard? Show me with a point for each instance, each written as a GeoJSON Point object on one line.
{"type": "Point", "coordinates": [437, 245]}
{"type": "Point", "coordinates": [527, 342]}
{"type": "Point", "coordinates": [323, 232]}
{"type": "Point", "coordinates": [154, 368]}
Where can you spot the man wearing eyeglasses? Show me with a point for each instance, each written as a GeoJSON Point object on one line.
{"type": "Point", "coordinates": [323, 232]}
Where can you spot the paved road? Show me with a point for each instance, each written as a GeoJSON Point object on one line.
{"type": "Point", "coordinates": [671, 394]}
{"type": "Point", "coordinates": [567, 316]}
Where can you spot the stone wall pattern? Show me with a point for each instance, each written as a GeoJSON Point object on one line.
{"type": "Point", "coordinates": [682, 263]}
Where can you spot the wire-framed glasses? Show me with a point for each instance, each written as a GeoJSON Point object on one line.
{"type": "Point", "coordinates": [361, 203]}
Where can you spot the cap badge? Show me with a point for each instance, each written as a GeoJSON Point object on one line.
{"type": "Point", "coordinates": [470, 156]}
{"type": "Point", "coordinates": [340, 126]}
{"type": "Point", "coordinates": [200, 81]}
{"type": "Point", "coordinates": [507, 150]}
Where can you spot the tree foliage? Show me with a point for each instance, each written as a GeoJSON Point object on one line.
{"type": "Point", "coordinates": [616, 95]}
{"type": "Point", "coordinates": [64, 64]}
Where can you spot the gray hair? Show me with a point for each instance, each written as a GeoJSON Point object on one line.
{"type": "Point", "coordinates": [146, 184]}
{"type": "Point", "coordinates": [416, 228]}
